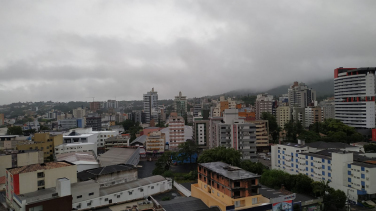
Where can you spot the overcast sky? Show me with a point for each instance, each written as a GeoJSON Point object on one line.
{"type": "Point", "coordinates": [72, 50]}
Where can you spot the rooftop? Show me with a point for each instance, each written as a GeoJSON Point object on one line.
{"type": "Point", "coordinates": [228, 171]}
{"type": "Point", "coordinates": [41, 166]}
{"type": "Point", "coordinates": [117, 156]}
{"type": "Point", "coordinates": [140, 139]}
{"type": "Point", "coordinates": [328, 145]}
{"type": "Point", "coordinates": [130, 185]}
{"type": "Point", "coordinates": [78, 157]}
{"type": "Point", "coordinates": [93, 173]}
{"type": "Point", "coordinates": [185, 204]}
{"type": "Point", "coordinates": [40, 195]}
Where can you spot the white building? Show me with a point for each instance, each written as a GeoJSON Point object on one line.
{"type": "Point", "coordinates": [300, 96]}
{"type": "Point", "coordinates": [76, 142]}
{"type": "Point", "coordinates": [100, 135]}
{"type": "Point", "coordinates": [342, 165]}
{"type": "Point", "coordinates": [354, 93]}
{"type": "Point", "coordinates": [180, 104]}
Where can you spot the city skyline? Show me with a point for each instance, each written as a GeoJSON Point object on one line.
{"type": "Point", "coordinates": [71, 51]}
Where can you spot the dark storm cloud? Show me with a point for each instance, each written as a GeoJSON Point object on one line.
{"type": "Point", "coordinates": [62, 51]}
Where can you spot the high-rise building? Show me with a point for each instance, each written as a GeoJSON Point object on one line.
{"type": "Point", "coordinates": [197, 107]}
{"type": "Point", "coordinates": [354, 93]}
{"type": "Point", "coordinates": [328, 109]}
{"type": "Point", "coordinates": [155, 142]}
{"type": "Point", "coordinates": [111, 104]}
{"type": "Point", "coordinates": [200, 131]}
{"type": "Point", "coordinates": [94, 122]}
{"type": "Point", "coordinates": [94, 106]}
{"type": "Point", "coordinates": [151, 105]}
{"type": "Point", "coordinates": [300, 96]}
{"type": "Point", "coordinates": [264, 103]}
{"type": "Point", "coordinates": [176, 129]}
{"type": "Point", "coordinates": [283, 115]}
{"type": "Point", "coordinates": [180, 104]}
{"type": "Point", "coordinates": [232, 132]}
{"type": "Point", "coordinates": [79, 112]}
{"type": "Point", "coordinates": [312, 115]}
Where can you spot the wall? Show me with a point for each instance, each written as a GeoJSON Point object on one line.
{"type": "Point", "coordinates": [123, 196]}
{"type": "Point", "coordinates": [69, 172]}
{"type": "Point", "coordinates": [119, 177]}
{"type": "Point", "coordinates": [24, 159]}
{"type": "Point", "coordinates": [5, 162]}
{"type": "Point", "coordinates": [56, 204]}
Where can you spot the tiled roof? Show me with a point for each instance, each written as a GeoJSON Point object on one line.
{"type": "Point", "coordinates": [93, 173]}
{"type": "Point", "coordinates": [36, 167]}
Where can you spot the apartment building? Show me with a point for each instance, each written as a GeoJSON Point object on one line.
{"type": "Point", "coordinates": [328, 109]}
{"type": "Point", "coordinates": [71, 123]}
{"type": "Point", "coordinates": [228, 187]}
{"type": "Point", "coordinates": [300, 96]}
{"type": "Point", "coordinates": [180, 104]}
{"type": "Point", "coordinates": [94, 122]}
{"type": "Point", "coordinates": [31, 178]}
{"type": "Point", "coordinates": [312, 115]}
{"type": "Point", "coordinates": [76, 142]}
{"type": "Point", "coordinates": [79, 113]}
{"type": "Point", "coordinates": [18, 158]}
{"type": "Point", "coordinates": [150, 105]}
{"type": "Point", "coordinates": [200, 130]}
{"type": "Point", "coordinates": [42, 142]}
{"type": "Point", "coordinates": [283, 115]}
{"type": "Point", "coordinates": [176, 130]}
{"type": "Point", "coordinates": [264, 103]}
{"type": "Point", "coordinates": [155, 142]}
{"type": "Point", "coordinates": [116, 141]}
{"type": "Point", "coordinates": [94, 106]}
{"type": "Point", "coordinates": [342, 165]}
{"type": "Point", "coordinates": [354, 93]}
{"type": "Point", "coordinates": [262, 134]}
{"type": "Point", "coordinates": [232, 132]}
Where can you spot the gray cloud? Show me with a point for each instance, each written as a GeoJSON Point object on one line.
{"type": "Point", "coordinates": [61, 51]}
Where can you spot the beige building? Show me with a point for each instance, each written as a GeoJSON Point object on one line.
{"type": "Point", "coordinates": [155, 142]}
{"type": "Point", "coordinates": [43, 142]}
{"type": "Point", "coordinates": [118, 141]}
{"type": "Point", "coordinates": [283, 115]}
{"type": "Point", "coordinates": [176, 128]}
{"type": "Point", "coordinates": [312, 115]}
{"type": "Point", "coordinates": [13, 159]}
{"type": "Point", "coordinates": [262, 134]}
{"type": "Point", "coordinates": [27, 179]}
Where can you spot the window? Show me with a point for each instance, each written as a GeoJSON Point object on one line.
{"type": "Point", "coordinates": [329, 168]}
{"type": "Point", "coordinates": [106, 199]}
{"type": "Point", "coordinates": [348, 165]}
{"type": "Point", "coordinates": [329, 162]}
{"type": "Point", "coordinates": [348, 172]}
{"type": "Point", "coordinates": [152, 187]}
{"type": "Point", "coordinates": [323, 173]}
{"type": "Point", "coordinates": [311, 170]}
{"type": "Point", "coordinates": [362, 176]}
{"type": "Point", "coordinates": [311, 158]}
{"type": "Point", "coordinates": [323, 160]}
{"type": "Point", "coordinates": [323, 166]}
{"type": "Point", "coordinates": [254, 200]}
{"type": "Point", "coordinates": [306, 157]}
{"type": "Point", "coordinates": [329, 174]}
{"type": "Point", "coordinates": [278, 151]}
{"type": "Point", "coordinates": [278, 156]}
{"type": "Point", "coordinates": [283, 152]}
{"type": "Point", "coordinates": [80, 196]}
{"type": "Point", "coordinates": [306, 168]}
{"type": "Point", "coordinates": [40, 182]}
{"type": "Point", "coordinates": [40, 174]}
{"type": "Point", "coordinates": [92, 193]}
{"type": "Point", "coordinates": [362, 168]}
{"type": "Point", "coordinates": [311, 164]}
{"type": "Point", "coordinates": [306, 162]}
{"type": "Point", "coordinates": [89, 204]}
{"type": "Point", "coordinates": [130, 192]}
{"type": "Point", "coordinates": [349, 179]}
{"type": "Point", "coordinates": [118, 196]}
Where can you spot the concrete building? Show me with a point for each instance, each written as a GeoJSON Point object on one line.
{"type": "Point", "coordinates": [155, 142]}
{"type": "Point", "coordinates": [150, 105]}
{"type": "Point", "coordinates": [83, 160]}
{"type": "Point", "coordinates": [197, 107]}
{"type": "Point", "coordinates": [176, 130]}
{"type": "Point", "coordinates": [79, 113]}
{"type": "Point", "coordinates": [71, 123]}
{"type": "Point", "coordinates": [94, 122]}
{"type": "Point", "coordinates": [94, 106]}
{"type": "Point", "coordinates": [342, 165]}
{"type": "Point", "coordinates": [298, 114]}
{"type": "Point", "coordinates": [111, 104]}
{"type": "Point", "coordinates": [116, 141]}
{"type": "Point", "coordinates": [354, 93]}
{"type": "Point", "coordinates": [88, 195]}
{"type": "Point", "coordinates": [76, 142]}
{"type": "Point", "coordinates": [180, 104]}
{"type": "Point", "coordinates": [263, 104]}
{"type": "Point", "coordinates": [201, 132]}
{"type": "Point", "coordinates": [312, 115]}
{"type": "Point", "coordinates": [42, 141]}
{"type": "Point", "coordinates": [283, 115]}
{"type": "Point", "coordinates": [31, 178]}
{"type": "Point", "coordinates": [137, 116]}
{"type": "Point", "coordinates": [262, 135]}
{"type": "Point", "coordinates": [300, 96]}
{"type": "Point", "coordinates": [232, 132]}
{"type": "Point", "coordinates": [15, 158]}
{"type": "Point", "coordinates": [228, 187]}
{"type": "Point", "coordinates": [328, 109]}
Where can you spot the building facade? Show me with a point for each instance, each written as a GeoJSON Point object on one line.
{"type": "Point", "coordinates": [94, 106]}
{"type": "Point", "coordinates": [264, 103]}
{"type": "Point", "coordinates": [180, 104]}
{"type": "Point", "coordinates": [200, 130]}
{"type": "Point", "coordinates": [176, 130]}
{"type": "Point", "coordinates": [283, 115]}
{"type": "Point", "coordinates": [94, 122]}
{"type": "Point", "coordinates": [300, 96]}
{"type": "Point", "coordinates": [42, 142]}
{"type": "Point", "coordinates": [354, 93]}
{"type": "Point", "coordinates": [312, 115]}
{"type": "Point", "coordinates": [228, 187]}
{"type": "Point", "coordinates": [155, 142]}
{"type": "Point", "coordinates": [150, 105]}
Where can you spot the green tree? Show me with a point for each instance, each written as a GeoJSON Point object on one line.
{"type": "Point", "coordinates": [127, 124]}
{"type": "Point", "coordinates": [309, 136]}
{"type": "Point", "coordinates": [15, 130]}
{"type": "Point", "coordinates": [226, 155]}
{"type": "Point", "coordinates": [164, 162]}
{"type": "Point", "coordinates": [134, 130]}
{"type": "Point", "coordinates": [257, 168]}
{"type": "Point", "coordinates": [187, 149]}
{"type": "Point", "coordinates": [43, 127]}
{"type": "Point", "coordinates": [370, 148]}
{"type": "Point", "coordinates": [274, 129]}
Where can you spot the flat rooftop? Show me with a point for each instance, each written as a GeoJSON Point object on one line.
{"type": "Point", "coordinates": [93, 173]}
{"type": "Point", "coordinates": [78, 157]}
{"type": "Point", "coordinates": [39, 166]}
{"type": "Point", "coordinates": [228, 171]}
